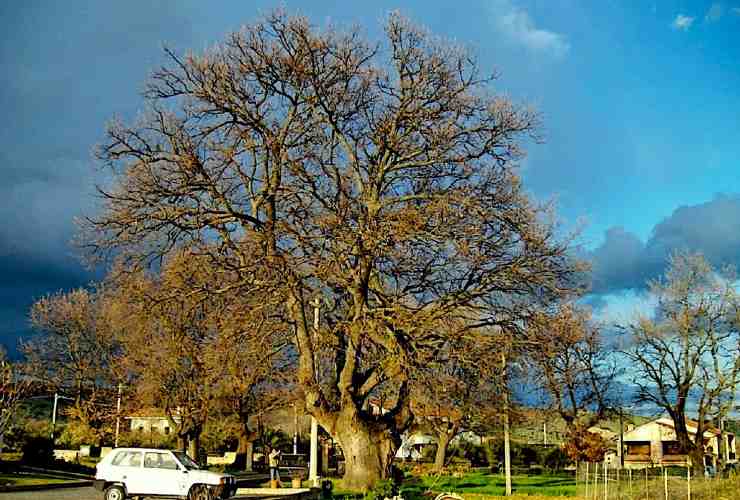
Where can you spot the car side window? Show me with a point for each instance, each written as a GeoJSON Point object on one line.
{"type": "Point", "coordinates": [153, 460]}
{"type": "Point", "coordinates": [127, 459]}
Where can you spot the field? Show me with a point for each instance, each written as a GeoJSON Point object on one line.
{"type": "Point", "coordinates": [483, 486]}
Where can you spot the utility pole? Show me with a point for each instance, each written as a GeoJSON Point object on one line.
{"type": "Point", "coordinates": [620, 450]}
{"type": "Point", "coordinates": [507, 444]}
{"type": "Point", "coordinates": [295, 429]}
{"type": "Point", "coordinates": [118, 416]}
{"type": "Point", "coordinates": [544, 432]}
{"type": "Point", "coordinates": [313, 467]}
{"type": "Point", "coordinates": [54, 416]}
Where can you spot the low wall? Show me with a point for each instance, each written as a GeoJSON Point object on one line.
{"type": "Point", "coordinates": [228, 459]}
{"type": "Point", "coordinates": [67, 455]}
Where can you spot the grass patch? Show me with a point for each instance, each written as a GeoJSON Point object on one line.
{"type": "Point", "coordinates": [483, 484]}
{"type": "Point", "coordinates": [22, 479]}
{"type": "Point", "coordinates": [474, 486]}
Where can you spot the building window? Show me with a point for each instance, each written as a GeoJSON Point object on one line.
{"type": "Point", "coordinates": [166, 430]}
{"type": "Point", "coordinates": [671, 448]}
{"type": "Point", "coordinates": [638, 448]}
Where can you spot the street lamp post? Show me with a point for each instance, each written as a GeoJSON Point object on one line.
{"type": "Point", "coordinates": [57, 397]}
{"type": "Point", "coordinates": [54, 416]}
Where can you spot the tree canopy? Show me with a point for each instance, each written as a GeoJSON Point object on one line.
{"type": "Point", "coordinates": [379, 179]}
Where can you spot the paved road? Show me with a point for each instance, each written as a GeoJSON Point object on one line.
{"type": "Point", "coordinates": [88, 493]}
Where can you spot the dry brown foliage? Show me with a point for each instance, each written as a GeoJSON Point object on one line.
{"type": "Point", "coordinates": [74, 355]}
{"type": "Point", "coordinates": [380, 179]}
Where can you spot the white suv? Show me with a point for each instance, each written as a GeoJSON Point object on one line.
{"type": "Point", "coordinates": [142, 472]}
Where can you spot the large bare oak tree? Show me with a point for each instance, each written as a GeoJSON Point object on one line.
{"type": "Point", "coordinates": [377, 179]}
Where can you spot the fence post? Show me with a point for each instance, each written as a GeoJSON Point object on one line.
{"type": "Point", "coordinates": [586, 480]}
{"type": "Point", "coordinates": [606, 478]}
{"type": "Point", "coordinates": [629, 475]}
{"type": "Point", "coordinates": [688, 482]}
{"type": "Point", "coordinates": [665, 482]}
{"type": "Point", "coordinates": [647, 495]}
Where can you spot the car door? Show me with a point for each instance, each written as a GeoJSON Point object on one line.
{"type": "Point", "coordinates": [128, 470]}
{"type": "Point", "coordinates": [162, 474]}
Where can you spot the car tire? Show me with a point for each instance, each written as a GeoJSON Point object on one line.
{"type": "Point", "coordinates": [114, 492]}
{"type": "Point", "coordinates": [199, 492]}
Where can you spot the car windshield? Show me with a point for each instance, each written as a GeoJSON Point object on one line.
{"type": "Point", "coordinates": [186, 460]}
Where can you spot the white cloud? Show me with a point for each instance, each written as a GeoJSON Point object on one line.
{"type": "Point", "coordinates": [516, 23]}
{"type": "Point", "coordinates": [715, 13]}
{"type": "Point", "coordinates": [683, 22]}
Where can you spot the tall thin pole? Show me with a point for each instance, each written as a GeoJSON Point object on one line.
{"type": "Point", "coordinates": [688, 482]}
{"type": "Point", "coordinates": [313, 467]}
{"type": "Point", "coordinates": [295, 429]}
{"type": "Point", "coordinates": [621, 438]}
{"type": "Point", "coordinates": [507, 444]}
{"type": "Point", "coordinates": [544, 433]}
{"type": "Point", "coordinates": [605, 480]}
{"type": "Point", "coordinates": [118, 415]}
{"type": "Point", "coordinates": [54, 416]}
{"type": "Point", "coordinates": [646, 482]}
{"type": "Point", "coordinates": [665, 482]}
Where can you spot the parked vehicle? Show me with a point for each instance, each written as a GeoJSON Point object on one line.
{"type": "Point", "coordinates": [127, 472]}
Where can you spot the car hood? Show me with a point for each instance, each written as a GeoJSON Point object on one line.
{"type": "Point", "coordinates": [206, 476]}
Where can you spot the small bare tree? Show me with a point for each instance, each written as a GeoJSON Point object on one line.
{"type": "Point", "coordinates": [460, 391]}
{"type": "Point", "coordinates": [686, 358]}
{"type": "Point", "coordinates": [574, 368]}
{"type": "Point", "coordinates": [74, 355]}
{"type": "Point", "coordinates": [15, 385]}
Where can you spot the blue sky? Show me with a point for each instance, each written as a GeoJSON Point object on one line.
{"type": "Point", "coordinates": [640, 101]}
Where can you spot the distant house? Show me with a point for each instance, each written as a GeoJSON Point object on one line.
{"type": "Point", "coordinates": [151, 420]}
{"type": "Point", "coordinates": [654, 443]}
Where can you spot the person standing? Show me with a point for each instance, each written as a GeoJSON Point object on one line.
{"type": "Point", "coordinates": [274, 462]}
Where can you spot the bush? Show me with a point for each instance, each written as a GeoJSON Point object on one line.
{"type": "Point", "coordinates": [38, 451]}
{"type": "Point", "coordinates": [75, 434]}
{"type": "Point", "coordinates": [525, 455]}
{"type": "Point", "coordinates": [475, 453]}
{"type": "Point", "coordinates": [19, 433]}
{"type": "Point", "coordinates": [429, 452]}
{"type": "Point", "coordinates": [382, 489]}
{"type": "Point", "coordinates": [556, 459]}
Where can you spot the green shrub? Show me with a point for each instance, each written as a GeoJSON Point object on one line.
{"type": "Point", "coordinates": [382, 489]}
{"type": "Point", "coordinates": [556, 459]}
{"type": "Point", "coordinates": [38, 451]}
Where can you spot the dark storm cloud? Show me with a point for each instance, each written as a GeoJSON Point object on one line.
{"type": "Point", "coordinates": [624, 262]}
{"type": "Point", "coordinates": [67, 69]}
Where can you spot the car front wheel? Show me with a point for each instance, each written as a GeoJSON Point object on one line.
{"type": "Point", "coordinates": [114, 493]}
{"type": "Point", "coordinates": [199, 492]}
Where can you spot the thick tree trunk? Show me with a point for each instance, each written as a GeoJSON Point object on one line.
{"type": "Point", "coordinates": [194, 447]}
{"type": "Point", "coordinates": [440, 457]}
{"type": "Point", "coordinates": [697, 461]}
{"type": "Point", "coordinates": [243, 448]}
{"type": "Point", "coordinates": [368, 452]}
